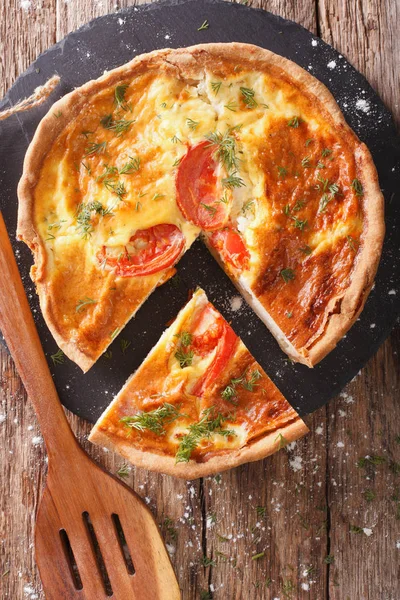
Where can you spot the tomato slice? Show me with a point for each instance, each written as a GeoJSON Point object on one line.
{"type": "Point", "coordinates": [230, 246]}
{"type": "Point", "coordinates": [212, 331]}
{"type": "Point", "coordinates": [199, 189]}
{"type": "Point", "coordinates": [148, 251]}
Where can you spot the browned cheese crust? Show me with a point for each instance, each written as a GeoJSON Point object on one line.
{"type": "Point", "coordinates": [330, 284]}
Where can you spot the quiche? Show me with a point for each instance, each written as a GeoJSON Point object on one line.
{"type": "Point", "coordinates": [225, 141]}
{"type": "Point", "coordinates": [199, 403]}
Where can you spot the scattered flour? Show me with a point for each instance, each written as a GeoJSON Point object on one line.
{"type": "Point", "coordinates": [331, 64]}
{"type": "Point", "coordinates": [398, 544]}
{"type": "Point", "coordinates": [171, 549]}
{"type": "Point", "coordinates": [314, 43]}
{"type": "Point", "coordinates": [37, 440]}
{"type": "Point", "coordinates": [392, 292]}
{"type": "Point", "coordinates": [26, 4]}
{"type": "Point", "coordinates": [305, 586]}
{"type": "Point", "coordinates": [296, 463]}
{"type": "Point", "coordinates": [367, 531]}
{"type": "Point", "coordinates": [210, 521]}
{"type": "Point", "coordinates": [319, 430]}
{"type": "Point", "coordinates": [2, 418]}
{"type": "Point", "coordinates": [30, 592]}
{"type": "Point", "coordinates": [347, 398]}
{"type": "Point", "coordinates": [340, 445]}
{"type": "Point", "coordinates": [363, 105]}
{"type": "Point", "coordinates": [236, 303]}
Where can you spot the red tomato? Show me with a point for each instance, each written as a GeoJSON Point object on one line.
{"type": "Point", "coordinates": [199, 189]}
{"type": "Point", "coordinates": [231, 247]}
{"type": "Point", "coordinates": [210, 331]}
{"type": "Point", "coordinates": [148, 251]}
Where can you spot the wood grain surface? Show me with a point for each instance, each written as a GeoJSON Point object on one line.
{"type": "Point", "coordinates": [317, 521]}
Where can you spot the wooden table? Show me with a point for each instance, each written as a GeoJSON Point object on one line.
{"type": "Point", "coordinates": [322, 524]}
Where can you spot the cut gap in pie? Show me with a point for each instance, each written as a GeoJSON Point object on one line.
{"type": "Point", "coordinates": [199, 403]}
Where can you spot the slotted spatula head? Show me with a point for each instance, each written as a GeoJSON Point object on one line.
{"type": "Point", "coordinates": [96, 539]}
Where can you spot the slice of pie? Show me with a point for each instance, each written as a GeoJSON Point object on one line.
{"type": "Point", "coordinates": [199, 403]}
{"type": "Point", "coordinates": [227, 140]}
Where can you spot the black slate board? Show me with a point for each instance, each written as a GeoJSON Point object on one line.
{"type": "Point", "coordinates": [113, 40]}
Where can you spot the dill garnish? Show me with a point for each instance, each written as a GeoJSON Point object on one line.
{"type": "Point", "coordinates": [204, 25]}
{"type": "Point", "coordinates": [192, 124]}
{"type": "Point", "coordinates": [216, 86]}
{"type": "Point", "coordinates": [95, 148]}
{"type": "Point", "coordinates": [282, 172]}
{"type": "Point", "coordinates": [282, 440]}
{"type": "Point", "coordinates": [248, 382]}
{"type": "Point", "coordinates": [153, 420]}
{"type": "Point", "coordinates": [357, 187]}
{"type": "Point", "coordinates": [124, 471]}
{"type": "Point", "coordinates": [287, 275]}
{"type": "Point", "coordinates": [177, 162]}
{"type": "Point", "coordinates": [210, 423]}
{"type": "Point", "coordinates": [225, 148]}
{"type": "Point", "coordinates": [232, 106]}
{"type": "Point", "coordinates": [233, 181]}
{"type": "Point", "coordinates": [351, 242]}
{"type": "Point", "coordinates": [119, 97]}
{"type": "Point", "coordinates": [249, 205]}
{"type": "Point", "coordinates": [184, 357]}
{"type": "Point", "coordinates": [117, 188]}
{"type": "Point", "coordinates": [58, 358]}
{"type": "Point", "coordinates": [248, 97]}
{"type": "Point", "coordinates": [130, 167]}
{"type": "Point", "coordinates": [119, 127]}
{"type": "Point", "coordinates": [210, 209]}
{"type": "Point", "coordinates": [295, 122]}
{"type": "Point", "coordinates": [84, 214]}
{"type": "Point", "coordinates": [124, 344]}
{"type": "Point", "coordinates": [84, 302]}
{"type": "Point", "coordinates": [114, 333]}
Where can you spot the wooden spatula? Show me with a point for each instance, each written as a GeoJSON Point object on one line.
{"type": "Point", "coordinates": [95, 538]}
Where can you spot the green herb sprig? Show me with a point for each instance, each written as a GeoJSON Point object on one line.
{"type": "Point", "coordinates": [210, 423]}
{"type": "Point", "coordinates": [83, 303]}
{"type": "Point", "coordinates": [248, 97]}
{"type": "Point", "coordinates": [153, 420]}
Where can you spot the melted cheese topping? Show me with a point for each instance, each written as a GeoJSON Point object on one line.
{"type": "Point", "coordinates": [296, 210]}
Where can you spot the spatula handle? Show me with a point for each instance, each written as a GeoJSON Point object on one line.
{"type": "Point", "coordinates": [18, 328]}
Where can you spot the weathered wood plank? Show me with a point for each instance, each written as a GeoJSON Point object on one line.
{"type": "Point", "coordinates": [363, 512]}
{"type": "Point", "coordinates": [26, 30]}
{"type": "Point", "coordinates": [365, 567]}
{"type": "Point", "coordinates": [367, 33]}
